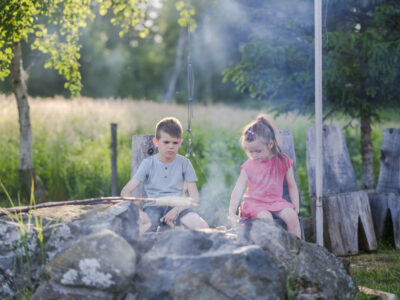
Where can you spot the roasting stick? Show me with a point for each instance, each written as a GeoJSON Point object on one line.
{"type": "Point", "coordinates": [162, 201]}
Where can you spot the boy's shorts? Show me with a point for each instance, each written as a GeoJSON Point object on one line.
{"type": "Point", "coordinates": [155, 214]}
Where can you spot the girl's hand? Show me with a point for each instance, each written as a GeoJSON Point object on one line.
{"type": "Point", "coordinates": [233, 219]}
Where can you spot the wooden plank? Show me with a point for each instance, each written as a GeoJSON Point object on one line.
{"type": "Point", "coordinates": [389, 172]}
{"type": "Point", "coordinates": [142, 147]}
{"type": "Point", "coordinates": [344, 214]}
{"type": "Point", "coordinates": [384, 205]}
{"type": "Point", "coordinates": [287, 147]}
{"type": "Point", "coordinates": [338, 172]}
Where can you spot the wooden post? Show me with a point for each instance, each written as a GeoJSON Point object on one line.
{"type": "Point", "coordinates": [287, 147]}
{"type": "Point", "coordinates": [347, 214]}
{"type": "Point", "coordinates": [114, 171]}
{"type": "Point", "coordinates": [318, 119]}
{"type": "Point", "coordinates": [385, 202]}
{"type": "Point", "coordinates": [142, 147]}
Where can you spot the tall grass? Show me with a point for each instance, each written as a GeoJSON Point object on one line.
{"type": "Point", "coordinates": [72, 138]}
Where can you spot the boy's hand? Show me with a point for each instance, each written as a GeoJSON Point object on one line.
{"type": "Point", "coordinates": [171, 216]}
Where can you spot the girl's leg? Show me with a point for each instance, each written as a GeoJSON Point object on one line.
{"type": "Point", "coordinates": [193, 221]}
{"type": "Point", "coordinates": [289, 216]}
{"type": "Point", "coordinates": [265, 214]}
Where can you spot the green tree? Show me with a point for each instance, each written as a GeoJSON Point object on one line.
{"type": "Point", "coordinates": [361, 62]}
{"type": "Point", "coordinates": [54, 26]}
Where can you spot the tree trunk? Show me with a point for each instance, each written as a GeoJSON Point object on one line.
{"type": "Point", "coordinates": [26, 170]}
{"type": "Point", "coordinates": [169, 96]}
{"type": "Point", "coordinates": [368, 180]}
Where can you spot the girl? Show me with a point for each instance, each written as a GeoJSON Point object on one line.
{"type": "Point", "coordinates": [264, 173]}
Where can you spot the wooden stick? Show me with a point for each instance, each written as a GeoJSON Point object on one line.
{"type": "Point", "coordinates": [162, 201]}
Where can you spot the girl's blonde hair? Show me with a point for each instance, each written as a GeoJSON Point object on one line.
{"type": "Point", "coordinates": [264, 130]}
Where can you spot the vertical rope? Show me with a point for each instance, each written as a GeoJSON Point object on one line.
{"type": "Point", "coordinates": [190, 90]}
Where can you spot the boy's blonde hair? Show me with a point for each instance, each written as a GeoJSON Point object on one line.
{"type": "Point", "coordinates": [169, 125]}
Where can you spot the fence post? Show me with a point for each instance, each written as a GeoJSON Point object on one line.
{"type": "Point", "coordinates": [114, 173]}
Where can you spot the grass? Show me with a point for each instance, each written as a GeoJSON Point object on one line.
{"type": "Point", "coordinates": [72, 138]}
{"type": "Point", "coordinates": [379, 270]}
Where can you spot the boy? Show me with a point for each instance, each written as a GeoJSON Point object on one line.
{"type": "Point", "coordinates": [164, 174]}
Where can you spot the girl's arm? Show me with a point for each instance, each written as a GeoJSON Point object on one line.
{"type": "Point", "coordinates": [129, 187]}
{"type": "Point", "coordinates": [237, 193]}
{"type": "Point", "coordinates": [293, 191]}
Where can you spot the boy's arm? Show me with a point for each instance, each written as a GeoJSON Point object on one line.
{"type": "Point", "coordinates": [129, 187]}
{"type": "Point", "coordinates": [237, 193]}
{"type": "Point", "coordinates": [193, 192]}
{"type": "Point", "coordinates": [293, 190]}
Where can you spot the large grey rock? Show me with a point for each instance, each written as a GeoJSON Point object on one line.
{"type": "Point", "coordinates": [312, 271]}
{"type": "Point", "coordinates": [62, 227]}
{"type": "Point", "coordinates": [185, 264]}
{"type": "Point", "coordinates": [51, 290]}
{"type": "Point", "coordinates": [103, 261]}
{"type": "Point", "coordinates": [91, 255]}
{"type": "Point", "coordinates": [77, 221]}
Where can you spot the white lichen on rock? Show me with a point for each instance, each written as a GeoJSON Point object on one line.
{"type": "Point", "coordinates": [69, 277]}
{"type": "Point", "coordinates": [57, 239]}
{"type": "Point", "coordinates": [91, 276]}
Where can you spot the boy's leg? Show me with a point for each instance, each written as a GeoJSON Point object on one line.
{"type": "Point", "coordinates": [144, 222]}
{"type": "Point", "coordinates": [289, 216]}
{"type": "Point", "coordinates": [192, 220]}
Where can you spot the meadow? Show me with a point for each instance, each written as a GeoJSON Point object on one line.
{"type": "Point", "coordinates": [72, 155]}
{"type": "Point", "coordinates": [72, 145]}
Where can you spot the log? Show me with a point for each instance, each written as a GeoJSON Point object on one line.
{"type": "Point", "coordinates": [162, 201]}
{"type": "Point", "coordinates": [287, 147]}
{"type": "Point", "coordinates": [383, 207]}
{"type": "Point", "coordinates": [142, 147]}
{"type": "Point", "coordinates": [348, 225]}
{"type": "Point", "coordinates": [338, 172]}
{"type": "Point", "coordinates": [114, 169]}
{"type": "Point", "coordinates": [389, 172]}
{"type": "Point", "coordinates": [385, 202]}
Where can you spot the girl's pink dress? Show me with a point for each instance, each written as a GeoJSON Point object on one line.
{"type": "Point", "coordinates": [265, 186]}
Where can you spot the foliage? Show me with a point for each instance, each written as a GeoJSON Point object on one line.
{"type": "Point", "coordinates": [55, 26]}
{"type": "Point", "coordinates": [361, 56]}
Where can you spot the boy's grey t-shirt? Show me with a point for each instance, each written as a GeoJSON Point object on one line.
{"type": "Point", "coordinates": [165, 179]}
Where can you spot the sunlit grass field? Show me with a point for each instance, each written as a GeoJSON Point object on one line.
{"type": "Point", "coordinates": [72, 144]}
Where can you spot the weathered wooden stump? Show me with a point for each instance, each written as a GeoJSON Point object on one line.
{"type": "Point", "coordinates": [142, 147]}
{"type": "Point", "coordinates": [347, 216]}
{"type": "Point", "coordinates": [287, 147]}
{"type": "Point", "coordinates": [385, 202]}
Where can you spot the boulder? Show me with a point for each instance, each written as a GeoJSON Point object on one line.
{"type": "Point", "coordinates": [102, 261]}
{"type": "Point", "coordinates": [312, 272]}
{"type": "Point", "coordinates": [95, 252]}
{"type": "Point", "coordinates": [185, 264]}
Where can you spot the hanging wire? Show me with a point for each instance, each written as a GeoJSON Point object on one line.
{"type": "Point", "coordinates": [190, 90]}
